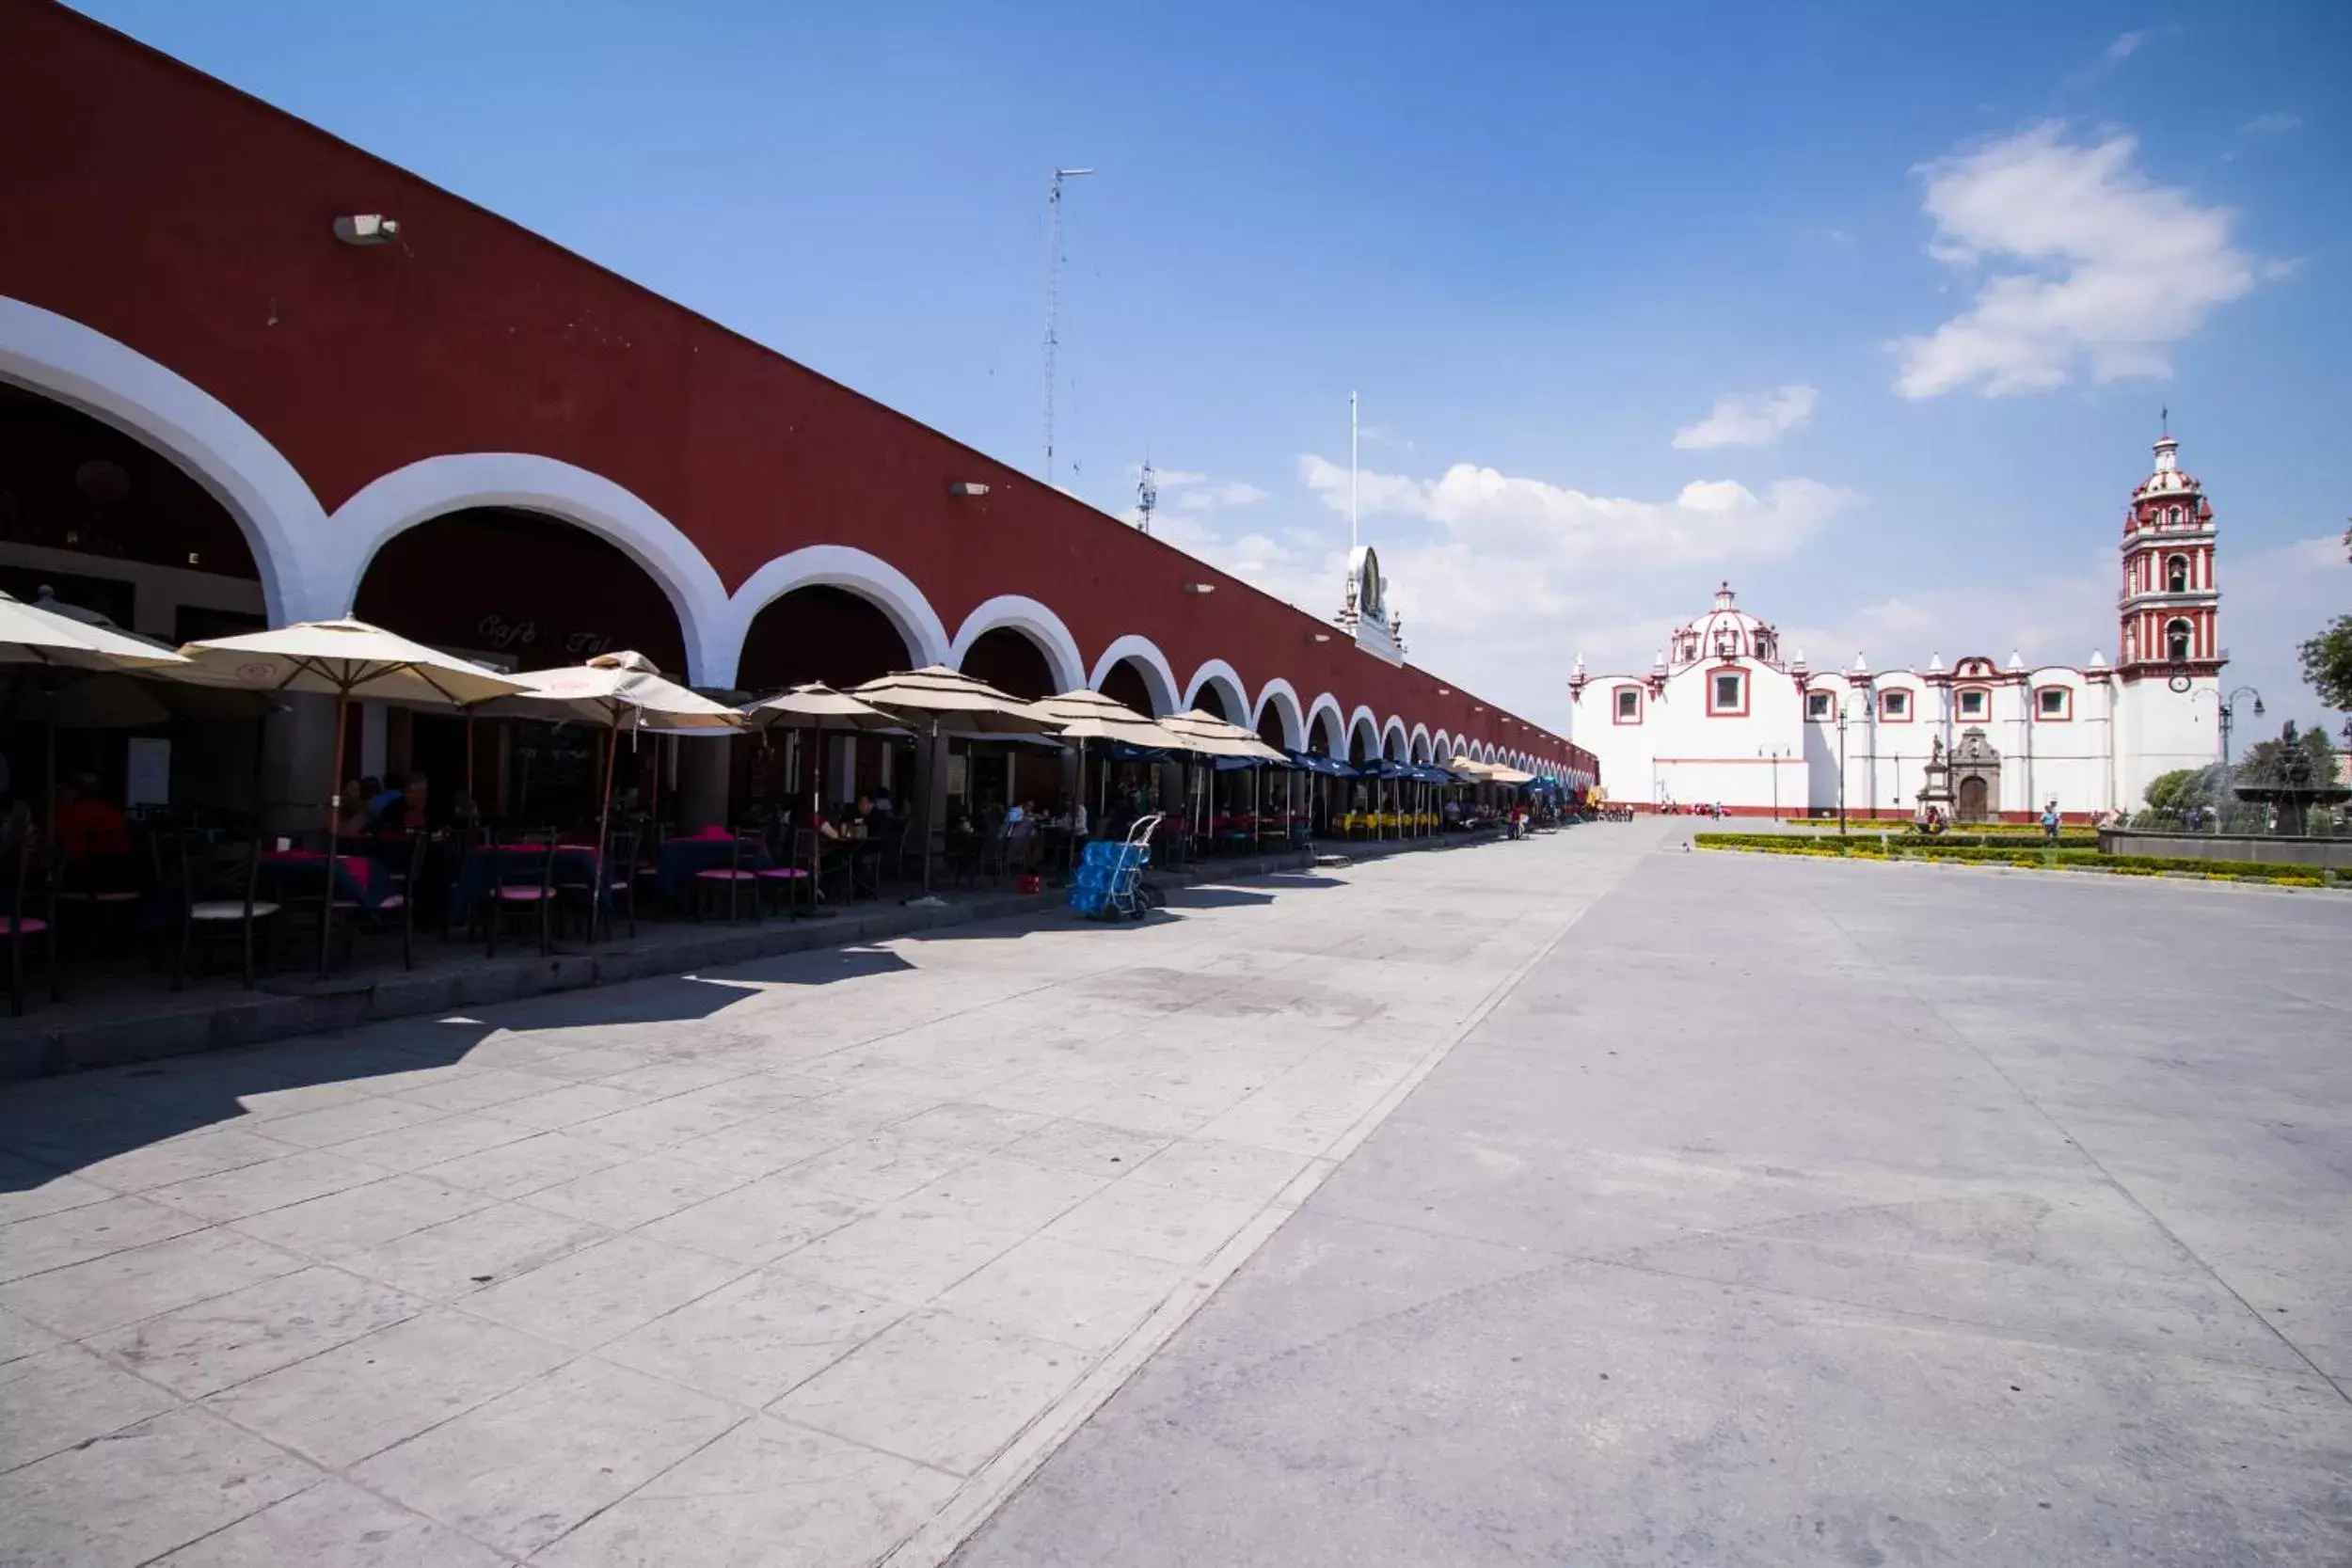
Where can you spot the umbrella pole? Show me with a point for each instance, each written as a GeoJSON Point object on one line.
{"type": "Point", "coordinates": [334, 813]}
{"type": "Point", "coordinates": [597, 894]}
{"type": "Point", "coordinates": [933, 790]}
{"type": "Point", "coordinates": [470, 797]}
{"type": "Point", "coordinates": [49, 796]}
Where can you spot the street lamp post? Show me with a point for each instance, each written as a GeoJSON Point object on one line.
{"type": "Point", "coordinates": [2229, 716]}
{"type": "Point", "coordinates": [1776, 753]}
{"type": "Point", "coordinates": [1842, 706]}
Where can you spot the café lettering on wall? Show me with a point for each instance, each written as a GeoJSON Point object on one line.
{"type": "Point", "coordinates": [503, 636]}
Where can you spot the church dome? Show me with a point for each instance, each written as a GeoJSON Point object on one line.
{"type": "Point", "coordinates": [2168, 479]}
{"type": "Point", "coordinates": [1725, 632]}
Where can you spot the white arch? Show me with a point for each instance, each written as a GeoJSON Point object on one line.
{"type": "Point", "coordinates": [110, 381]}
{"type": "Point", "coordinates": [1039, 625]}
{"type": "Point", "coordinates": [1215, 671]}
{"type": "Point", "coordinates": [1325, 706]}
{"type": "Point", "coordinates": [1421, 743]}
{"type": "Point", "coordinates": [1442, 748]}
{"type": "Point", "coordinates": [1395, 741]}
{"type": "Point", "coordinates": [434, 486]}
{"type": "Point", "coordinates": [1159, 678]}
{"type": "Point", "coordinates": [1278, 692]}
{"type": "Point", "coordinates": [852, 570]}
{"type": "Point", "coordinates": [1364, 719]}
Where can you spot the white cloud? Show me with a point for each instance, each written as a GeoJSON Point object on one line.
{"type": "Point", "coordinates": [1533, 526]}
{"type": "Point", "coordinates": [2120, 50]}
{"type": "Point", "coordinates": [1234, 491]}
{"type": "Point", "coordinates": [1497, 577]}
{"type": "Point", "coordinates": [2083, 261]}
{"type": "Point", "coordinates": [1750, 419]}
{"type": "Point", "coordinates": [2272, 124]}
{"type": "Point", "coordinates": [1195, 492]}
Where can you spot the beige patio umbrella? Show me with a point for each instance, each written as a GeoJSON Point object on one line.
{"type": "Point", "coordinates": [1088, 715]}
{"type": "Point", "coordinates": [343, 660]}
{"type": "Point", "coordinates": [45, 651]}
{"type": "Point", "coordinates": [32, 635]}
{"type": "Point", "coordinates": [817, 707]}
{"type": "Point", "coordinates": [1206, 734]}
{"type": "Point", "coordinates": [614, 691]}
{"type": "Point", "coordinates": [937, 696]}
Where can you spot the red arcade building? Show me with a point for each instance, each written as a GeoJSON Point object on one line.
{"type": "Point", "coordinates": [222, 406]}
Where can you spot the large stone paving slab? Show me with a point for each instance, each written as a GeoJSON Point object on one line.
{"type": "Point", "coordinates": [1799, 1215]}
{"type": "Point", "coordinates": [807, 1262]}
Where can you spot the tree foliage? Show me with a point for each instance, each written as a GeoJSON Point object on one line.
{"type": "Point", "coordinates": [2327, 664]}
{"type": "Point", "coordinates": [2180, 789]}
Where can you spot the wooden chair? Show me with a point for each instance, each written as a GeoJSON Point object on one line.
{"type": "Point", "coordinates": [31, 867]}
{"type": "Point", "coordinates": [211, 912]}
{"type": "Point", "coordinates": [518, 889]}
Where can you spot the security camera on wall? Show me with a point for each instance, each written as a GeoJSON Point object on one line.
{"type": "Point", "coordinates": [367, 228]}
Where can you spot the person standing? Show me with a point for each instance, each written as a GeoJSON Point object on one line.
{"type": "Point", "coordinates": [2050, 823]}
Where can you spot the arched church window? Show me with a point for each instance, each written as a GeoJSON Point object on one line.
{"type": "Point", "coordinates": [2176, 640]}
{"type": "Point", "coordinates": [2176, 574]}
{"type": "Point", "coordinates": [2172, 517]}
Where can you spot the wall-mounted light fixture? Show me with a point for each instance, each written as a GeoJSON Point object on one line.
{"type": "Point", "coordinates": [1318, 637]}
{"type": "Point", "coordinates": [1200, 588]}
{"type": "Point", "coordinates": [1445, 692]}
{"type": "Point", "coordinates": [966, 488]}
{"type": "Point", "coordinates": [367, 228]}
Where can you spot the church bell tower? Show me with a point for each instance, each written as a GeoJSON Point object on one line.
{"type": "Point", "coordinates": [2170, 607]}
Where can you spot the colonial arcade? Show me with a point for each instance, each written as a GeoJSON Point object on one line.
{"type": "Point", "coordinates": [217, 412]}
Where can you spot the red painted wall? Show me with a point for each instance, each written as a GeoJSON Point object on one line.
{"type": "Point", "coordinates": [195, 224]}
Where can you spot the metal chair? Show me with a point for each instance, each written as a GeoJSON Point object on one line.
{"type": "Point", "coordinates": [211, 912]}
{"type": "Point", "coordinates": [403, 899]}
{"type": "Point", "coordinates": [740, 872]}
{"type": "Point", "coordinates": [517, 888]}
{"type": "Point", "coordinates": [798, 872]}
{"type": "Point", "coordinates": [32, 872]}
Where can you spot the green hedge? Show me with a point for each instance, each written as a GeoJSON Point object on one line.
{"type": "Point", "coordinates": [2007, 844]}
{"type": "Point", "coordinates": [2061, 859]}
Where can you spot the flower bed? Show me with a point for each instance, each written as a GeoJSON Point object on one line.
{"type": "Point", "coordinates": [2038, 859]}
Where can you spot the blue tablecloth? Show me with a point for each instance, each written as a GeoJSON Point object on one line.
{"type": "Point", "coordinates": [678, 859]}
{"type": "Point", "coordinates": [295, 873]}
{"type": "Point", "coordinates": [478, 874]}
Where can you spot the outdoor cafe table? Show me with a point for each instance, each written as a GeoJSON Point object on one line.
{"type": "Point", "coordinates": [678, 860]}
{"type": "Point", "coordinates": [357, 878]}
{"type": "Point", "coordinates": [574, 866]}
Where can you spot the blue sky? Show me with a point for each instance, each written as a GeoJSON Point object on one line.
{"type": "Point", "coordinates": [1868, 308]}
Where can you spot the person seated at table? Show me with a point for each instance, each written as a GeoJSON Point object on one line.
{"type": "Point", "coordinates": [405, 813]}
{"type": "Point", "coordinates": [87, 827]}
{"type": "Point", "coordinates": [358, 811]}
{"type": "Point", "coordinates": [881, 801]}
{"type": "Point", "coordinates": [862, 816]}
{"type": "Point", "coordinates": [382, 799]}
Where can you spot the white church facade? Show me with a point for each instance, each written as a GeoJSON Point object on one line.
{"type": "Point", "coordinates": [1723, 715]}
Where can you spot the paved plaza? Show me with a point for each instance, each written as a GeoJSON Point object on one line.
{"type": "Point", "coordinates": [1585, 1199]}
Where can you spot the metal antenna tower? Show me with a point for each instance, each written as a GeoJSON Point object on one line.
{"type": "Point", "coordinates": [1053, 298]}
{"type": "Point", "coordinates": [1147, 496]}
